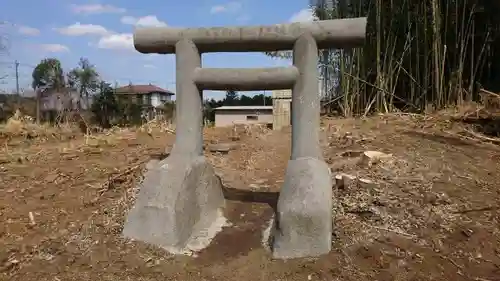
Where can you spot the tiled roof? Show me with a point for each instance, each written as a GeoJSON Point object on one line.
{"type": "Point", "coordinates": [245, 107]}
{"type": "Point", "coordinates": [141, 89]}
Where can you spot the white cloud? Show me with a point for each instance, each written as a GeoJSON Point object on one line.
{"type": "Point", "coordinates": [96, 9]}
{"type": "Point", "coordinates": [302, 16]}
{"type": "Point", "coordinates": [26, 30]}
{"type": "Point", "coordinates": [229, 7]}
{"type": "Point", "coordinates": [78, 29]}
{"type": "Point", "coordinates": [54, 48]}
{"type": "Point", "coordinates": [123, 41]}
{"type": "Point", "coordinates": [146, 21]}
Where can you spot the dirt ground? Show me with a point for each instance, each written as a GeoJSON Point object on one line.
{"type": "Point", "coordinates": [430, 212]}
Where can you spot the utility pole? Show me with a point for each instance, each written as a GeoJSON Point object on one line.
{"type": "Point", "coordinates": [17, 85]}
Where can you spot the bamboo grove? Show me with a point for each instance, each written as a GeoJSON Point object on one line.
{"type": "Point", "coordinates": [419, 55]}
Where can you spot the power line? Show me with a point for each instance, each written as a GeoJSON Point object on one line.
{"type": "Point", "coordinates": [19, 63]}
{"type": "Point", "coordinates": [19, 75]}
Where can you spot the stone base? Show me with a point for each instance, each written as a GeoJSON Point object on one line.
{"type": "Point", "coordinates": [178, 205]}
{"type": "Point", "coordinates": [303, 225]}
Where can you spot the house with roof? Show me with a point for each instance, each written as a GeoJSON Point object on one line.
{"type": "Point", "coordinates": [277, 115]}
{"type": "Point", "coordinates": [151, 98]}
{"type": "Point", "coordinates": [53, 101]}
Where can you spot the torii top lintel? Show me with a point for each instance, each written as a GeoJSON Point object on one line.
{"type": "Point", "coordinates": [339, 33]}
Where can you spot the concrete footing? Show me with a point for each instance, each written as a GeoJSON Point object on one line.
{"type": "Point", "coordinates": [178, 205]}
{"type": "Point", "coordinates": [303, 223]}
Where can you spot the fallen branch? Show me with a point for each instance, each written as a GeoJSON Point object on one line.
{"type": "Point", "coordinates": [32, 218]}
{"type": "Point", "coordinates": [483, 138]}
{"type": "Point", "coordinates": [392, 230]}
{"type": "Point", "coordinates": [452, 262]}
{"type": "Point", "coordinates": [461, 137]}
{"type": "Point", "coordinates": [109, 183]}
{"type": "Point", "coordinates": [484, 209]}
{"type": "Point", "coordinates": [490, 93]}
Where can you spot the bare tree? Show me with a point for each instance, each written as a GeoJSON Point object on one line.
{"type": "Point", "coordinates": [3, 44]}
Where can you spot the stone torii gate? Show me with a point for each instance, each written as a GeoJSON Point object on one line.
{"type": "Point", "coordinates": [181, 197]}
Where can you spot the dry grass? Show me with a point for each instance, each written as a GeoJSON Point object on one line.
{"type": "Point", "coordinates": [429, 214]}
{"type": "Point", "coordinates": [487, 107]}
{"type": "Point", "coordinates": [23, 127]}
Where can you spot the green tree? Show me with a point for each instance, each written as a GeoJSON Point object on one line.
{"type": "Point", "coordinates": [261, 99]}
{"type": "Point", "coordinates": [131, 114]}
{"type": "Point", "coordinates": [208, 108]}
{"type": "Point", "coordinates": [246, 100]}
{"type": "Point", "coordinates": [168, 110]}
{"type": "Point", "coordinates": [231, 98]}
{"type": "Point", "coordinates": [105, 107]}
{"type": "Point", "coordinates": [85, 79]}
{"type": "Point", "coordinates": [47, 75]}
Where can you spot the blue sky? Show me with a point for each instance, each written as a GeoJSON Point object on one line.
{"type": "Point", "coordinates": [102, 32]}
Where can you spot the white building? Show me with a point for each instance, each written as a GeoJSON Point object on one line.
{"type": "Point", "coordinates": [230, 115]}
{"type": "Point", "coordinates": [282, 108]}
